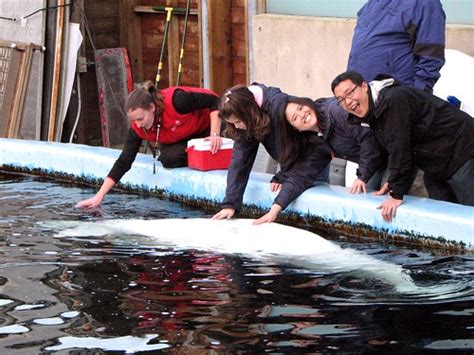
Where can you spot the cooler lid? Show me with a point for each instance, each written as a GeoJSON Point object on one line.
{"type": "Point", "coordinates": [201, 144]}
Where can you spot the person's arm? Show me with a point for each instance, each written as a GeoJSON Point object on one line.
{"type": "Point", "coordinates": [428, 37]}
{"type": "Point", "coordinates": [215, 133]}
{"type": "Point", "coordinates": [121, 166]}
{"type": "Point", "coordinates": [243, 157]}
{"type": "Point", "coordinates": [303, 173]}
{"type": "Point", "coordinates": [187, 101]}
{"type": "Point", "coordinates": [397, 132]}
{"type": "Point", "coordinates": [371, 159]}
{"type": "Point", "coordinates": [99, 196]}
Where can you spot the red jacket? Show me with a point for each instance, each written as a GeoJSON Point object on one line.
{"type": "Point", "coordinates": [175, 126]}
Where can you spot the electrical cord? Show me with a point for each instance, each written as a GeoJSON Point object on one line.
{"type": "Point", "coordinates": [35, 12]}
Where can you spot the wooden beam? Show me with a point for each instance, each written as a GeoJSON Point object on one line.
{"type": "Point", "coordinates": [131, 36]}
{"type": "Point", "coordinates": [261, 6]}
{"type": "Point", "coordinates": [173, 45]}
{"type": "Point", "coordinates": [58, 51]}
{"type": "Point", "coordinates": [220, 46]}
{"type": "Point", "coordinates": [247, 43]}
{"type": "Point", "coordinates": [201, 68]}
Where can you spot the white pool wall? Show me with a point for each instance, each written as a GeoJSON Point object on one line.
{"type": "Point", "coordinates": [417, 217]}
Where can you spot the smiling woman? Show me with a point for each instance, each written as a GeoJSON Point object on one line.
{"type": "Point", "coordinates": [326, 119]}
{"type": "Point", "coordinates": [254, 115]}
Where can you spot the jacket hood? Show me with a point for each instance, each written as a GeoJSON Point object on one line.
{"type": "Point", "coordinates": [377, 85]}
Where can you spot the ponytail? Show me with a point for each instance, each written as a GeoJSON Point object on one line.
{"type": "Point", "coordinates": [143, 96]}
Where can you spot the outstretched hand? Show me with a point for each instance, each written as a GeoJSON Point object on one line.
{"type": "Point", "coordinates": [358, 186]}
{"type": "Point", "coordinates": [89, 203]}
{"type": "Point", "coordinates": [225, 213]}
{"type": "Point", "coordinates": [389, 208]}
{"type": "Point", "coordinates": [270, 216]}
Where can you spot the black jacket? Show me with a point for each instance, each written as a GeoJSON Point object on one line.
{"type": "Point", "coordinates": [295, 179]}
{"type": "Point", "coordinates": [355, 143]}
{"type": "Point", "coordinates": [416, 127]}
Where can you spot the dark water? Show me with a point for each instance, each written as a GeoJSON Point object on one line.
{"type": "Point", "coordinates": [87, 295]}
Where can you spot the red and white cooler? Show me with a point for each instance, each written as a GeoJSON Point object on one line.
{"type": "Point", "coordinates": [201, 158]}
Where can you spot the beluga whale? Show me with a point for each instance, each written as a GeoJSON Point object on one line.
{"type": "Point", "coordinates": [269, 241]}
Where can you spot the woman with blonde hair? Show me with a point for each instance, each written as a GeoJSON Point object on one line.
{"type": "Point", "coordinates": [167, 119]}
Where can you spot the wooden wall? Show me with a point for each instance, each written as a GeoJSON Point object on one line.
{"type": "Point", "coordinates": [239, 42]}
{"type": "Point", "coordinates": [153, 26]}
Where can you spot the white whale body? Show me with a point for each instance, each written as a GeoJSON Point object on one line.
{"type": "Point", "coordinates": [240, 236]}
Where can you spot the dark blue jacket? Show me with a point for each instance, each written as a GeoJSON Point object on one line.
{"type": "Point", "coordinates": [404, 39]}
{"type": "Point", "coordinates": [355, 143]}
{"type": "Point", "coordinates": [295, 179]}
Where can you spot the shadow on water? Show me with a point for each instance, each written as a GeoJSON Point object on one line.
{"type": "Point", "coordinates": [130, 295]}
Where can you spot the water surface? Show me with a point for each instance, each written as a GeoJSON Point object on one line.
{"type": "Point", "coordinates": [128, 294]}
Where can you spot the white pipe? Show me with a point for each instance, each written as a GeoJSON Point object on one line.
{"type": "Point", "coordinates": [205, 45]}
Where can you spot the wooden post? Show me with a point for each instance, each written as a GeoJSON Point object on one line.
{"type": "Point", "coordinates": [220, 51]}
{"type": "Point", "coordinates": [131, 36]}
{"type": "Point", "coordinates": [201, 67]}
{"type": "Point", "coordinates": [173, 44]}
{"type": "Point", "coordinates": [58, 50]}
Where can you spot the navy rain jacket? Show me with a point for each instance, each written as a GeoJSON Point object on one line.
{"type": "Point", "coordinates": [295, 179]}
{"type": "Point", "coordinates": [355, 143]}
{"type": "Point", "coordinates": [404, 39]}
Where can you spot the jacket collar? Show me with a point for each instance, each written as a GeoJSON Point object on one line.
{"type": "Point", "coordinates": [374, 90]}
{"type": "Point", "coordinates": [322, 106]}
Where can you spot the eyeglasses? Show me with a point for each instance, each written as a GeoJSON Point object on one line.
{"type": "Point", "coordinates": [348, 95]}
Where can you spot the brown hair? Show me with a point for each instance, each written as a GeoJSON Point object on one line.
{"type": "Point", "coordinates": [143, 96]}
{"type": "Point", "coordinates": [240, 102]}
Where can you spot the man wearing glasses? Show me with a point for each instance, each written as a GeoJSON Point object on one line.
{"type": "Point", "coordinates": [416, 128]}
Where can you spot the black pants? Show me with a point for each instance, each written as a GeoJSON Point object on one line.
{"type": "Point", "coordinates": [459, 188]}
{"type": "Point", "coordinates": [174, 155]}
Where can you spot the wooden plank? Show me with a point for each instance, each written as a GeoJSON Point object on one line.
{"type": "Point", "coordinates": [102, 8]}
{"type": "Point", "coordinates": [173, 44]}
{"type": "Point", "coordinates": [261, 6]}
{"type": "Point", "coordinates": [220, 45]}
{"type": "Point", "coordinates": [247, 43]}
{"type": "Point", "coordinates": [57, 71]}
{"type": "Point", "coordinates": [131, 36]}
{"type": "Point", "coordinates": [16, 113]}
{"type": "Point", "coordinates": [12, 66]}
{"type": "Point", "coordinates": [201, 71]}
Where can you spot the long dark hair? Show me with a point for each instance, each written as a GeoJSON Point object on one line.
{"type": "Point", "coordinates": [292, 142]}
{"type": "Point", "coordinates": [143, 96]}
{"type": "Point", "coordinates": [240, 102]}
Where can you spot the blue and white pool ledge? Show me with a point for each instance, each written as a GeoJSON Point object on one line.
{"type": "Point", "coordinates": [420, 219]}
